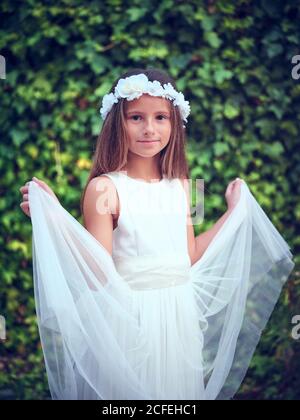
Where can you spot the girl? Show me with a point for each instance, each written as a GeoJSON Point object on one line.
{"type": "Point", "coordinates": [133, 306]}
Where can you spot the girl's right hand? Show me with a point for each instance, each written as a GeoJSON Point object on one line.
{"type": "Point", "coordinates": [24, 190]}
{"type": "Point", "coordinates": [233, 193]}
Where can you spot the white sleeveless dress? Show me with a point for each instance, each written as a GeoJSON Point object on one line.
{"type": "Point", "coordinates": [143, 323]}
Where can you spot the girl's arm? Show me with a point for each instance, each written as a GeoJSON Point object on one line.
{"type": "Point", "coordinates": [98, 206]}
{"type": "Point", "coordinates": [203, 239]}
{"type": "Point", "coordinates": [198, 245]}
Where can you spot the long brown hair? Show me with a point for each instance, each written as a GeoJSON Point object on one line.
{"type": "Point", "coordinates": [112, 143]}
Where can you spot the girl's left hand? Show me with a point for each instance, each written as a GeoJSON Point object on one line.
{"type": "Point", "coordinates": [25, 192]}
{"type": "Point", "coordinates": [233, 192]}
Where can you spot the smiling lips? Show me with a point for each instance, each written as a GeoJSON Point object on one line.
{"type": "Point", "coordinates": [147, 141]}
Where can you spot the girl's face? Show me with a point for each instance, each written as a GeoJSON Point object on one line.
{"type": "Point", "coordinates": [148, 124]}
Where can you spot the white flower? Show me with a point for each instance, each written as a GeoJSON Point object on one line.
{"type": "Point", "coordinates": [183, 105]}
{"type": "Point", "coordinates": [185, 111]}
{"type": "Point", "coordinates": [170, 92]}
{"type": "Point", "coordinates": [155, 88]}
{"type": "Point", "coordinates": [131, 87]}
{"type": "Point", "coordinates": [107, 103]}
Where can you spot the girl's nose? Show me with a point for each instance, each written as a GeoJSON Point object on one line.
{"type": "Point", "coordinates": [149, 126]}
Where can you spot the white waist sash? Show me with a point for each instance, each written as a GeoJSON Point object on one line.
{"type": "Point", "coordinates": [153, 272]}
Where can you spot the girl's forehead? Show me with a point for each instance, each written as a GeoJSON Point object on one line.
{"type": "Point", "coordinates": [148, 102]}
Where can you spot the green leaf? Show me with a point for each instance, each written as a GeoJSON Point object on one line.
{"type": "Point", "coordinates": [231, 111]}
{"type": "Point", "coordinates": [220, 148]}
{"type": "Point", "coordinates": [136, 13]}
{"type": "Point", "coordinates": [213, 40]}
{"type": "Point", "coordinates": [19, 136]}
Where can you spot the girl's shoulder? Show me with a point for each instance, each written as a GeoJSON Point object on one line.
{"type": "Point", "coordinates": [185, 183]}
{"type": "Point", "coordinates": [101, 182]}
{"type": "Point", "coordinates": [100, 186]}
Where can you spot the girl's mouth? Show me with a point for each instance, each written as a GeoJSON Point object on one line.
{"type": "Point", "coordinates": [148, 141]}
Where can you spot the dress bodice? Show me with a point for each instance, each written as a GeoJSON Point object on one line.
{"type": "Point", "coordinates": [152, 217]}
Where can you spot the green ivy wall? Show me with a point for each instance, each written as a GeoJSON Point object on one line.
{"type": "Point", "coordinates": [232, 61]}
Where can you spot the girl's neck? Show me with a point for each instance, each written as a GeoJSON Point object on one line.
{"type": "Point", "coordinates": [143, 176]}
{"type": "Point", "coordinates": [141, 170]}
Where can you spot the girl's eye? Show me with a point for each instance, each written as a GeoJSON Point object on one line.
{"type": "Point", "coordinates": [133, 116]}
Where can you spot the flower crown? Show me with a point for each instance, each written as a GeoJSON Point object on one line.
{"type": "Point", "coordinates": [133, 87]}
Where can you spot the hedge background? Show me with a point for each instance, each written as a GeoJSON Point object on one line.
{"type": "Point", "coordinates": [232, 61]}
